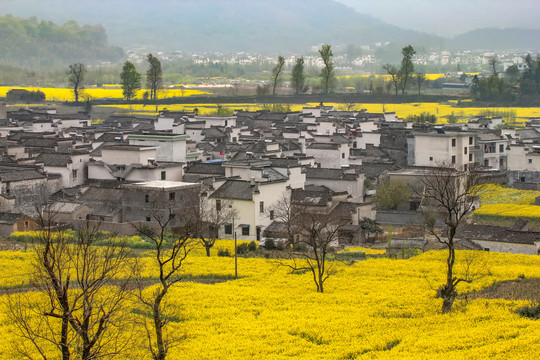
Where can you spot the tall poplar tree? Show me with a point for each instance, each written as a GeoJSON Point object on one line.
{"type": "Point", "coordinates": [154, 76]}
{"type": "Point", "coordinates": [328, 74]}
{"type": "Point", "coordinates": [297, 76]}
{"type": "Point", "coordinates": [131, 80]}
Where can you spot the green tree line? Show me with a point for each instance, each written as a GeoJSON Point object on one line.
{"type": "Point", "coordinates": [43, 44]}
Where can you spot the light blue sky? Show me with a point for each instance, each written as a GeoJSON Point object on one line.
{"type": "Point", "coordinates": [451, 17]}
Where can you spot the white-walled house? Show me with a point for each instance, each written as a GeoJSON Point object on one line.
{"type": "Point", "coordinates": [132, 163]}
{"type": "Point", "coordinates": [169, 147]}
{"type": "Point", "coordinates": [71, 167]}
{"type": "Point", "coordinates": [523, 157]}
{"type": "Point", "coordinates": [329, 155]}
{"type": "Point", "coordinates": [252, 201]}
{"type": "Point", "coordinates": [432, 149]}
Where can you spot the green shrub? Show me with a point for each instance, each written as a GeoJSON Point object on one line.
{"type": "Point", "coordinates": [252, 246]}
{"type": "Point", "coordinates": [223, 252]}
{"type": "Point", "coordinates": [270, 244]}
{"type": "Point", "coordinates": [242, 249]}
{"type": "Point", "coordinates": [531, 312]}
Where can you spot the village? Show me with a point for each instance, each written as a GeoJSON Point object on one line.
{"type": "Point", "coordinates": [122, 172]}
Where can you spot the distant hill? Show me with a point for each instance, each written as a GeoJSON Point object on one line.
{"type": "Point", "coordinates": [43, 44]}
{"type": "Point", "coordinates": [269, 26]}
{"type": "Point", "coordinates": [498, 39]}
{"type": "Point", "coordinates": [256, 26]}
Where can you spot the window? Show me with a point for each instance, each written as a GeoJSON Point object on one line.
{"type": "Point", "coordinates": [471, 140]}
{"type": "Point", "coordinates": [431, 158]}
{"type": "Point", "coordinates": [74, 173]}
{"type": "Point", "coordinates": [261, 207]}
{"type": "Point", "coordinates": [453, 142]}
{"type": "Point", "coordinates": [245, 229]}
{"type": "Point", "coordinates": [501, 162]}
{"type": "Point", "coordinates": [522, 179]}
{"type": "Point", "coordinates": [530, 161]}
{"type": "Point", "coordinates": [343, 155]}
{"type": "Point", "coordinates": [146, 198]}
{"type": "Point", "coordinates": [453, 159]}
{"type": "Point", "coordinates": [228, 229]}
{"type": "Point", "coordinates": [465, 167]}
{"type": "Point", "coordinates": [501, 148]}
{"type": "Point", "coordinates": [172, 196]}
{"type": "Point", "coordinates": [163, 175]}
{"type": "Point", "coordinates": [470, 157]}
{"type": "Point", "coordinates": [218, 205]}
{"type": "Point", "coordinates": [148, 218]}
{"type": "Point", "coordinates": [465, 151]}
{"type": "Point", "coordinates": [26, 225]}
{"type": "Point", "coordinates": [271, 214]}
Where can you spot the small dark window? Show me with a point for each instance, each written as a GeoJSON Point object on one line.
{"type": "Point", "coordinates": [453, 142]}
{"type": "Point", "coordinates": [343, 155]}
{"type": "Point", "coordinates": [470, 140]}
{"type": "Point", "coordinates": [465, 151]}
{"type": "Point", "coordinates": [530, 161]}
{"type": "Point", "coordinates": [245, 230]}
{"type": "Point", "coordinates": [148, 218]}
{"type": "Point", "coordinates": [522, 179]}
{"type": "Point", "coordinates": [261, 206]}
{"type": "Point", "coordinates": [431, 158]}
{"type": "Point", "coordinates": [146, 198]}
{"type": "Point", "coordinates": [501, 148]}
{"type": "Point", "coordinates": [218, 205]}
{"type": "Point", "coordinates": [172, 196]}
{"type": "Point", "coordinates": [228, 229]}
{"type": "Point", "coordinates": [271, 214]}
{"type": "Point", "coordinates": [453, 159]}
{"type": "Point", "coordinates": [470, 157]}
{"type": "Point", "coordinates": [163, 175]}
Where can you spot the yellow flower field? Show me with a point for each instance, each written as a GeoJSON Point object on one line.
{"type": "Point", "coordinates": [373, 309]}
{"type": "Point", "coordinates": [110, 92]}
{"type": "Point", "coordinates": [497, 194]}
{"type": "Point", "coordinates": [401, 110]}
{"type": "Point", "coordinates": [497, 201]}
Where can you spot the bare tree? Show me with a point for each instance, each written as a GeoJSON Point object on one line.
{"type": "Point", "coordinates": [283, 213]}
{"type": "Point", "coordinates": [493, 62]}
{"type": "Point", "coordinates": [170, 233]}
{"type": "Point", "coordinates": [212, 215]}
{"type": "Point", "coordinates": [419, 80]}
{"type": "Point", "coordinates": [317, 234]}
{"type": "Point", "coordinates": [394, 73]}
{"type": "Point", "coordinates": [276, 71]}
{"type": "Point", "coordinates": [85, 287]}
{"type": "Point", "coordinates": [76, 73]}
{"type": "Point", "coordinates": [448, 196]}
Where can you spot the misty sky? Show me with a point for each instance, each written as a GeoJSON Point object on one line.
{"type": "Point", "coordinates": [451, 17]}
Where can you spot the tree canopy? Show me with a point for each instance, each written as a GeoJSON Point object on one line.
{"type": "Point", "coordinates": [131, 80]}
{"type": "Point", "coordinates": [40, 44]}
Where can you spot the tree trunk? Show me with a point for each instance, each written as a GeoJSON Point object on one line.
{"type": "Point", "coordinates": [158, 323]}
{"type": "Point", "coordinates": [448, 291]}
{"type": "Point", "coordinates": [448, 303]}
{"type": "Point", "coordinates": [207, 246]}
{"type": "Point", "coordinates": [64, 339]}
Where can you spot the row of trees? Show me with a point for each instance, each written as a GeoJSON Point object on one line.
{"type": "Point", "coordinates": [327, 74]}
{"type": "Point", "coordinates": [401, 75]}
{"type": "Point", "coordinates": [513, 84]}
{"type": "Point", "coordinates": [130, 79]}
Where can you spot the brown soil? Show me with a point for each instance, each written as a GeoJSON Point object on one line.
{"type": "Point", "coordinates": [519, 289]}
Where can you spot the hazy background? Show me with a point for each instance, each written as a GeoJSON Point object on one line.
{"type": "Point", "coordinates": [451, 17]}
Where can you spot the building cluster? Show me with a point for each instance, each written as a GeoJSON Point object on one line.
{"type": "Point", "coordinates": [127, 169]}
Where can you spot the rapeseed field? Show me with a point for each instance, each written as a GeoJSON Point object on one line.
{"type": "Point", "coordinates": [373, 309]}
